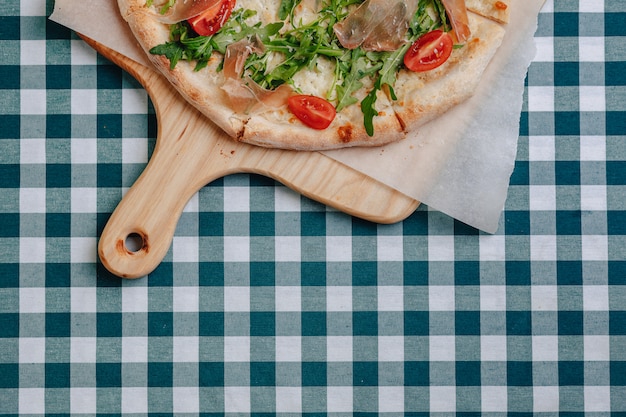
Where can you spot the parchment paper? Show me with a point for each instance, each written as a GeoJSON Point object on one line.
{"type": "Point", "coordinates": [459, 164]}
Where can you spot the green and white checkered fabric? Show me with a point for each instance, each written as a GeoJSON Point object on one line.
{"type": "Point", "coordinates": [271, 304]}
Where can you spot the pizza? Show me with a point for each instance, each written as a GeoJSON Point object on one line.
{"type": "Point", "coordinates": [320, 74]}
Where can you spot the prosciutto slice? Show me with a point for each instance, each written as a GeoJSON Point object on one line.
{"type": "Point", "coordinates": [245, 95]}
{"type": "Point", "coordinates": [184, 9]}
{"type": "Point", "coordinates": [457, 13]}
{"type": "Point", "coordinates": [377, 25]}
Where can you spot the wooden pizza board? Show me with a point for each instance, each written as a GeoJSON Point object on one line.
{"type": "Point", "coordinates": [191, 152]}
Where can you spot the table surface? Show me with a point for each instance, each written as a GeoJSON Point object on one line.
{"type": "Point", "coordinates": [270, 303]}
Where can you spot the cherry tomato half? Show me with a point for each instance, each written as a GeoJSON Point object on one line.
{"type": "Point", "coordinates": [210, 21]}
{"type": "Point", "coordinates": [313, 111]}
{"type": "Point", "coordinates": [429, 51]}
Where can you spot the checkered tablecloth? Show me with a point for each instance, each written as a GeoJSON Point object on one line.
{"type": "Point", "coordinates": [270, 303]}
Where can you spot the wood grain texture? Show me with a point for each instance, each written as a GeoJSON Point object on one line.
{"type": "Point", "coordinates": [191, 152]}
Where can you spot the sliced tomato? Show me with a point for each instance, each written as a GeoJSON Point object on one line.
{"type": "Point", "coordinates": [313, 111]}
{"type": "Point", "coordinates": [429, 51]}
{"type": "Point", "coordinates": [211, 20]}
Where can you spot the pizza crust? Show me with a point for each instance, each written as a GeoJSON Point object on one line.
{"type": "Point", "coordinates": [498, 10]}
{"type": "Point", "coordinates": [198, 87]}
{"type": "Point", "coordinates": [424, 96]}
{"type": "Point", "coordinates": [280, 129]}
{"type": "Point", "coordinates": [421, 97]}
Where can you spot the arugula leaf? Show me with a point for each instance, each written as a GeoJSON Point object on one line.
{"type": "Point", "coordinates": [184, 45]}
{"type": "Point", "coordinates": [360, 66]}
{"type": "Point", "coordinates": [171, 50]}
{"type": "Point", "coordinates": [430, 15]}
{"type": "Point", "coordinates": [369, 110]}
{"type": "Point", "coordinates": [391, 64]}
{"type": "Point", "coordinates": [286, 9]}
{"type": "Point", "coordinates": [167, 6]}
{"type": "Point", "coordinates": [164, 8]}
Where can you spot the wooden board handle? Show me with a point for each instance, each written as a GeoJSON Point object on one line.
{"type": "Point", "coordinates": [188, 155]}
{"type": "Point", "coordinates": [152, 207]}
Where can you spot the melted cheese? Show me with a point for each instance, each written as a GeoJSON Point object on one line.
{"type": "Point", "coordinates": [267, 11]}
{"type": "Point", "coordinates": [317, 81]}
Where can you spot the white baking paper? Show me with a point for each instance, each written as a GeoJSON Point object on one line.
{"type": "Point", "coordinates": [459, 164]}
{"type": "Point", "coordinates": [99, 20]}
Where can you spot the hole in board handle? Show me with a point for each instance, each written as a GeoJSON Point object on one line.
{"type": "Point", "coordinates": [134, 242]}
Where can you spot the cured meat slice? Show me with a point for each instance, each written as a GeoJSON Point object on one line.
{"type": "Point", "coordinates": [457, 13]}
{"type": "Point", "coordinates": [184, 9]}
{"type": "Point", "coordinates": [377, 25]}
